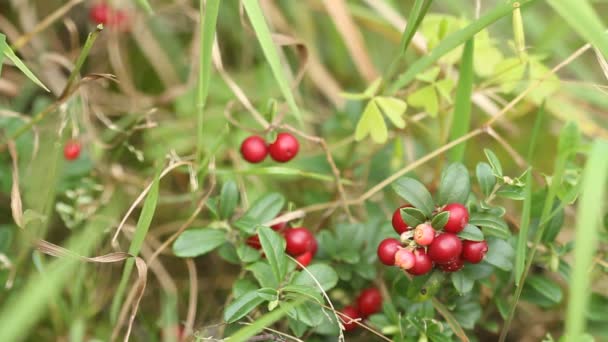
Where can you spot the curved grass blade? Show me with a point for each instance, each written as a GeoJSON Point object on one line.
{"type": "Point", "coordinates": [461, 119]}
{"type": "Point", "coordinates": [10, 54]}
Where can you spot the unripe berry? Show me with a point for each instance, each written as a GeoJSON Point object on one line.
{"type": "Point", "coordinates": [399, 225]}
{"type": "Point", "coordinates": [299, 241]}
{"type": "Point", "coordinates": [305, 258]}
{"type": "Point", "coordinates": [351, 313]}
{"type": "Point", "coordinates": [474, 251]}
{"type": "Point", "coordinates": [452, 266]}
{"type": "Point", "coordinates": [387, 250]}
{"type": "Point", "coordinates": [459, 217]}
{"type": "Point", "coordinates": [445, 248]}
{"type": "Point", "coordinates": [404, 258]}
{"type": "Point", "coordinates": [424, 234]}
{"type": "Point", "coordinates": [71, 150]}
{"type": "Point", "coordinates": [369, 302]}
{"type": "Point", "coordinates": [284, 148]}
{"type": "Point", "coordinates": [254, 149]}
{"type": "Point", "coordinates": [423, 263]}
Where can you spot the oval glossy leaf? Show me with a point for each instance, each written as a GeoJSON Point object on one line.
{"type": "Point", "coordinates": [195, 242]}
{"type": "Point", "coordinates": [425, 287]}
{"type": "Point", "coordinates": [455, 185]}
{"type": "Point", "coordinates": [545, 287]}
{"type": "Point", "coordinates": [471, 232]}
{"type": "Point", "coordinates": [415, 193]}
{"type": "Point", "coordinates": [263, 274]}
{"type": "Point", "coordinates": [500, 254]}
{"type": "Point", "coordinates": [485, 178]}
{"type": "Point", "coordinates": [412, 216]}
{"type": "Point", "coordinates": [440, 220]}
{"type": "Point", "coordinates": [274, 249]}
{"type": "Point", "coordinates": [242, 306]}
{"type": "Point", "coordinates": [325, 275]}
{"type": "Point", "coordinates": [494, 162]}
{"type": "Point", "coordinates": [229, 198]}
{"type": "Point", "coordinates": [513, 192]}
{"type": "Point", "coordinates": [266, 208]}
{"type": "Point", "coordinates": [461, 282]}
{"type": "Point", "coordinates": [491, 225]}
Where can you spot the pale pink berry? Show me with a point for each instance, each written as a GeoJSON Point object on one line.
{"type": "Point", "coordinates": [405, 259]}
{"type": "Point", "coordinates": [424, 234]}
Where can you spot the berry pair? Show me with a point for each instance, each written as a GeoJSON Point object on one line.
{"type": "Point", "coordinates": [285, 147]}
{"type": "Point", "coordinates": [300, 242]}
{"type": "Point", "coordinates": [102, 13]}
{"type": "Point", "coordinates": [425, 246]}
{"type": "Point", "coordinates": [368, 303]}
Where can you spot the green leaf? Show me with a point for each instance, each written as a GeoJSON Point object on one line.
{"type": "Point", "coordinates": [324, 274]}
{"type": "Point", "coordinates": [274, 248]}
{"type": "Point", "coordinates": [10, 54]}
{"type": "Point", "coordinates": [243, 286]}
{"type": "Point", "coordinates": [263, 210]}
{"type": "Point", "coordinates": [453, 41]}
{"type": "Point", "coordinates": [444, 89]}
{"type": "Point", "coordinates": [309, 313]}
{"type": "Point", "coordinates": [440, 220]}
{"type": "Point", "coordinates": [243, 305]}
{"type": "Point", "coordinates": [545, 287]}
{"type": "Point", "coordinates": [304, 290]}
{"type": "Point", "coordinates": [461, 118]}
{"type": "Point", "coordinates": [267, 293]}
{"type": "Point", "coordinates": [491, 225]}
{"type": "Point", "coordinates": [500, 254]}
{"type": "Point", "coordinates": [461, 283]}
{"type": "Point", "coordinates": [569, 139]}
{"type": "Point", "coordinates": [430, 75]}
{"type": "Point", "coordinates": [425, 287]}
{"type": "Point", "coordinates": [415, 193]}
{"type": "Point", "coordinates": [455, 185]}
{"type": "Point", "coordinates": [412, 216]}
{"type": "Point", "coordinates": [145, 5]}
{"type": "Point", "coordinates": [472, 233]}
{"type": "Point", "coordinates": [425, 97]}
{"type": "Point", "coordinates": [263, 274]}
{"type": "Point", "coordinates": [256, 17]}
{"type": "Point", "coordinates": [229, 198]}
{"type": "Point", "coordinates": [371, 123]}
{"type": "Point", "coordinates": [508, 73]}
{"type": "Point", "coordinates": [245, 333]}
{"type": "Point", "coordinates": [247, 254]}
{"type": "Point", "coordinates": [6, 237]}
{"type": "Point", "coordinates": [494, 162]}
{"type": "Point", "coordinates": [485, 178]}
{"type": "Point", "coordinates": [195, 242]}
{"type": "Point", "coordinates": [393, 108]}
{"type": "Point", "coordinates": [511, 192]}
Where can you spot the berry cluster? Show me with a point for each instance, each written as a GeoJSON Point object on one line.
{"type": "Point", "coordinates": [300, 242]}
{"type": "Point", "coordinates": [426, 247]}
{"type": "Point", "coordinates": [285, 147]}
{"type": "Point", "coordinates": [102, 13]}
{"type": "Point", "coordinates": [368, 303]}
{"type": "Point", "coordinates": [71, 150]}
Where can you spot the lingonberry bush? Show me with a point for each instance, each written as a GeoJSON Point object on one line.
{"type": "Point", "coordinates": [303, 170]}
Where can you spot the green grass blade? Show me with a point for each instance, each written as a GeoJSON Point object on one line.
{"type": "Point", "coordinates": [145, 5]}
{"type": "Point", "coordinates": [143, 224]}
{"type": "Point", "coordinates": [583, 19]}
{"type": "Point", "coordinates": [270, 51]}
{"type": "Point", "coordinates": [454, 40]}
{"type": "Point", "coordinates": [10, 54]}
{"type": "Point", "coordinates": [207, 35]}
{"type": "Point", "coordinates": [461, 120]}
{"type": "Point", "coordinates": [262, 322]}
{"type": "Point", "coordinates": [281, 171]}
{"type": "Point", "coordinates": [2, 43]}
{"type": "Point", "coordinates": [588, 223]}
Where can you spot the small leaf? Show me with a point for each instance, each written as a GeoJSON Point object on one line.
{"type": "Point", "coordinates": [444, 88]}
{"type": "Point", "coordinates": [440, 220]}
{"type": "Point", "coordinates": [372, 89]}
{"type": "Point", "coordinates": [491, 225]}
{"type": "Point", "coordinates": [472, 233]}
{"type": "Point", "coordinates": [425, 97]}
{"type": "Point", "coordinates": [412, 216]}
{"type": "Point", "coordinates": [494, 162]}
{"type": "Point", "coordinates": [393, 108]}
{"type": "Point", "coordinates": [455, 185]}
{"type": "Point", "coordinates": [545, 287]}
{"type": "Point", "coordinates": [247, 254]}
{"type": "Point", "coordinates": [242, 306]}
{"type": "Point", "coordinates": [511, 192]}
{"type": "Point", "coordinates": [229, 198]}
{"type": "Point", "coordinates": [371, 123]}
{"type": "Point", "coordinates": [263, 274]}
{"type": "Point", "coordinates": [325, 275]}
{"type": "Point", "coordinates": [429, 76]}
{"type": "Point", "coordinates": [196, 242]}
{"type": "Point", "coordinates": [425, 287]}
{"type": "Point", "coordinates": [8, 52]}
{"type": "Point", "coordinates": [242, 286]}
{"type": "Point", "coordinates": [304, 290]}
{"type": "Point", "coordinates": [274, 246]}
{"type": "Point", "coordinates": [485, 178]}
{"type": "Point", "coordinates": [500, 254]}
{"type": "Point", "coordinates": [461, 283]}
{"type": "Point", "coordinates": [569, 139]}
{"type": "Point", "coordinates": [263, 210]}
{"type": "Point", "coordinates": [267, 293]}
{"type": "Point", "coordinates": [508, 74]}
{"type": "Point", "coordinates": [415, 193]}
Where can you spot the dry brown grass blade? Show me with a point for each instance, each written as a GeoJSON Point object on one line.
{"type": "Point", "coordinates": [352, 37]}
{"type": "Point", "coordinates": [16, 204]}
{"type": "Point", "coordinates": [192, 298]}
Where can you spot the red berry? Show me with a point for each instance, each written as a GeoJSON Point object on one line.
{"type": "Point", "coordinates": [423, 263]}
{"type": "Point", "coordinates": [445, 247]}
{"type": "Point", "coordinates": [351, 313]}
{"type": "Point", "coordinates": [399, 225]}
{"type": "Point", "coordinates": [369, 301]}
{"type": "Point", "coordinates": [424, 234]}
{"type": "Point", "coordinates": [71, 150]}
{"type": "Point", "coordinates": [405, 259]}
{"type": "Point", "coordinates": [387, 250]}
{"type": "Point", "coordinates": [254, 149]}
{"type": "Point", "coordinates": [452, 266]}
{"type": "Point", "coordinates": [284, 148]}
{"type": "Point", "coordinates": [254, 242]}
{"type": "Point", "coordinates": [459, 217]}
{"type": "Point", "coordinates": [100, 13]}
{"type": "Point", "coordinates": [279, 226]}
{"type": "Point", "coordinates": [474, 251]}
{"type": "Point", "coordinates": [305, 258]}
{"type": "Point", "coordinates": [299, 241]}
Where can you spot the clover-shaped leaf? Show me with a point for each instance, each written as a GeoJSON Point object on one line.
{"type": "Point", "coordinates": [425, 97]}
{"type": "Point", "coordinates": [372, 122]}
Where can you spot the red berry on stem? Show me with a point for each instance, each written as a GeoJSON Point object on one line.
{"type": "Point", "coordinates": [71, 150]}
{"type": "Point", "coordinates": [459, 217]}
{"type": "Point", "coordinates": [445, 248]}
{"type": "Point", "coordinates": [474, 251]}
{"type": "Point", "coordinates": [351, 313]}
{"type": "Point", "coordinates": [423, 263]}
{"type": "Point", "coordinates": [299, 241]}
{"type": "Point", "coordinates": [284, 148]}
{"type": "Point", "coordinates": [100, 13]}
{"type": "Point", "coordinates": [452, 266]}
{"type": "Point", "coordinates": [399, 225]}
{"type": "Point", "coordinates": [424, 234]}
{"type": "Point", "coordinates": [369, 302]}
{"type": "Point", "coordinates": [404, 258]}
{"type": "Point", "coordinates": [387, 250]}
{"type": "Point", "coordinates": [254, 149]}
{"type": "Point", "coordinates": [305, 258]}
